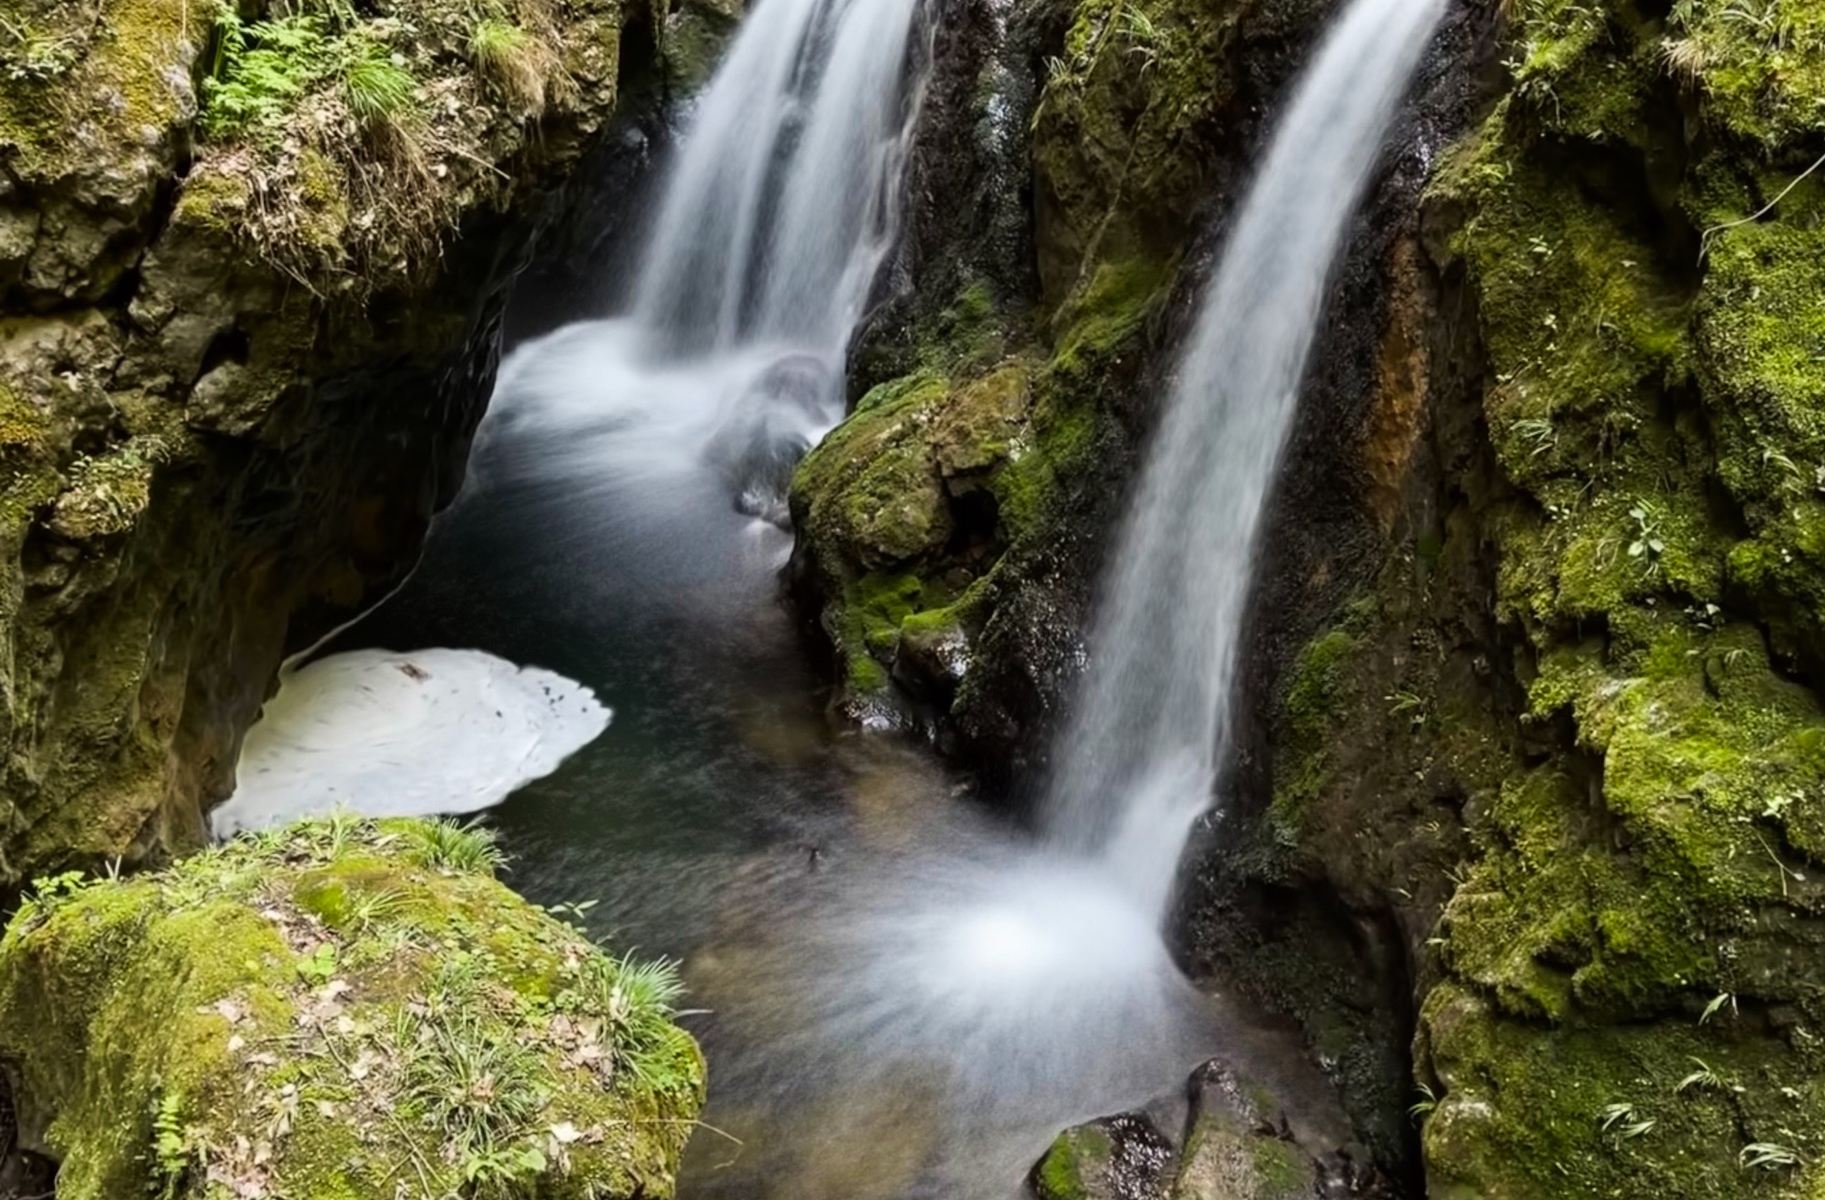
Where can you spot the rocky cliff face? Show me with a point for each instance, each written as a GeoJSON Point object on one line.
{"type": "Point", "coordinates": [1551, 762]}
{"type": "Point", "coordinates": [951, 528]}
{"type": "Point", "coordinates": [1523, 827]}
{"type": "Point", "coordinates": [251, 266]}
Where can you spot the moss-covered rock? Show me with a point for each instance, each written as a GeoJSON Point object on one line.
{"type": "Point", "coordinates": [242, 350]}
{"type": "Point", "coordinates": [1565, 739]}
{"type": "Point", "coordinates": [339, 1009]}
{"type": "Point", "coordinates": [1000, 406]}
{"type": "Point", "coordinates": [1119, 1158]}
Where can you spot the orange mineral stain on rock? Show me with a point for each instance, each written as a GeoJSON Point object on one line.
{"type": "Point", "coordinates": [1402, 371]}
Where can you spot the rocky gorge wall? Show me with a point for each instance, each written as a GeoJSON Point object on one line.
{"type": "Point", "coordinates": [1522, 826]}
{"type": "Point", "coordinates": [252, 263]}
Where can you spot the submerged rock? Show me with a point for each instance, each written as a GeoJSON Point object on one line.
{"type": "Point", "coordinates": [341, 1008]}
{"type": "Point", "coordinates": [1231, 1140]}
{"type": "Point", "coordinates": [1121, 1158]}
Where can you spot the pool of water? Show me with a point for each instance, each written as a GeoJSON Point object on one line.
{"type": "Point", "coordinates": [902, 994]}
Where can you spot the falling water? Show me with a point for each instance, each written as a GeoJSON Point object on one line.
{"type": "Point", "coordinates": [782, 204]}
{"type": "Point", "coordinates": [1139, 757]}
{"type": "Point", "coordinates": [907, 998]}
{"type": "Point", "coordinates": [668, 433]}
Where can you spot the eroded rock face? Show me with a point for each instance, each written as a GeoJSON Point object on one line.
{"type": "Point", "coordinates": [1550, 750]}
{"type": "Point", "coordinates": [1003, 397]}
{"type": "Point", "coordinates": [290, 1016]}
{"type": "Point", "coordinates": [240, 361]}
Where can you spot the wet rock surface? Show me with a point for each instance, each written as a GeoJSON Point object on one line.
{"type": "Point", "coordinates": [1230, 1139]}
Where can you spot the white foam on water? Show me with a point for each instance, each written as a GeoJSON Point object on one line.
{"type": "Point", "coordinates": [416, 734]}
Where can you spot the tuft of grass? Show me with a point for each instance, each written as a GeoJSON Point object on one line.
{"type": "Point", "coordinates": [1769, 1156]}
{"type": "Point", "coordinates": [454, 846]}
{"type": "Point", "coordinates": [480, 1090]}
{"type": "Point", "coordinates": [637, 999]}
{"type": "Point", "coordinates": [380, 92]}
{"type": "Point", "coordinates": [514, 62]}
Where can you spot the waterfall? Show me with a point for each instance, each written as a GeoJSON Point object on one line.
{"type": "Point", "coordinates": [664, 438]}
{"type": "Point", "coordinates": [1138, 760]}
{"type": "Point", "coordinates": [783, 201]}
{"type": "Point", "coordinates": [776, 216]}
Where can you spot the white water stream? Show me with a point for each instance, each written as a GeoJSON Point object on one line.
{"type": "Point", "coordinates": [775, 219]}
{"type": "Point", "coordinates": [909, 999]}
{"type": "Point", "coordinates": [1139, 757]}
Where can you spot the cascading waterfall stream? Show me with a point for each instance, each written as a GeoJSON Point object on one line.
{"type": "Point", "coordinates": [674, 429]}
{"type": "Point", "coordinates": [785, 197]}
{"type": "Point", "coordinates": [1138, 759]}
{"type": "Point", "coordinates": [885, 968]}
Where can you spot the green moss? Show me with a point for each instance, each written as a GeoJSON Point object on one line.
{"type": "Point", "coordinates": [1655, 427]}
{"type": "Point", "coordinates": [117, 83]}
{"type": "Point", "coordinates": [1760, 67]}
{"type": "Point", "coordinates": [267, 1012]}
{"type": "Point", "coordinates": [1316, 694]}
{"type": "Point", "coordinates": [1525, 1108]}
{"type": "Point", "coordinates": [1077, 1157]}
{"type": "Point", "coordinates": [1118, 137]}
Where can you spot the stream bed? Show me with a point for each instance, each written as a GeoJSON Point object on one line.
{"type": "Point", "coordinates": [902, 994]}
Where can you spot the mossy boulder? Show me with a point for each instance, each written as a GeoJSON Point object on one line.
{"type": "Point", "coordinates": [338, 1009]}
{"type": "Point", "coordinates": [909, 512]}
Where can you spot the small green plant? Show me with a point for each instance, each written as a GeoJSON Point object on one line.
{"type": "Point", "coordinates": [319, 967]}
{"type": "Point", "coordinates": [1410, 705]}
{"type": "Point", "coordinates": [1648, 545]}
{"type": "Point", "coordinates": [1704, 1077]}
{"type": "Point", "coordinates": [173, 1147]}
{"type": "Point", "coordinates": [1424, 1107]}
{"type": "Point", "coordinates": [367, 908]}
{"type": "Point", "coordinates": [449, 845]}
{"type": "Point", "coordinates": [379, 91]}
{"type": "Point", "coordinates": [1539, 433]}
{"type": "Point", "coordinates": [1142, 35]}
{"type": "Point", "coordinates": [1623, 1122]}
{"type": "Point", "coordinates": [572, 912]}
{"type": "Point", "coordinates": [1769, 1156]}
{"type": "Point", "coordinates": [30, 57]}
{"type": "Point", "coordinates": [509, 57]}
{"type": "Point", "coordinates": [51, 893]}
{"type": "Point", "coordinates": [1717, 1005]}
{"type": "Point", "coordinates": [638, 1000]}
{"type": "Point", "coordinates": [261, 70]}
{"type": "Point", "coordinates": [480, 1089]}
{"type": "Point", "coordinates": [339, 831]}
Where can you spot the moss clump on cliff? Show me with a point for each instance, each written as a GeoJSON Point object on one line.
{"type": "Point", "coordinates": [340, 1009]}
{"type": "Point", "coordinates": [1637, 896]}
{"type": "Point", "coordinates": [1130, 103]}
{"type": "Point", "coordinates": [938, 475]}
{"type": "Point", "coordinates": [338, 142]}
